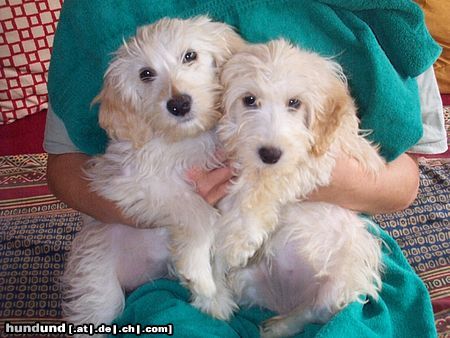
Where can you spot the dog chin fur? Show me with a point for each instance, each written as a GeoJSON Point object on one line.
{"type": "Point", "coordinates": [312, 259]}
{"type": "Point", "coordinates": [143, 169]}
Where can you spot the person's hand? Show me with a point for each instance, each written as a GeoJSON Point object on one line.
{"type": "Point", "coordinates": [211, 185]}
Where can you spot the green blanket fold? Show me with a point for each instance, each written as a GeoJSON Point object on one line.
{"type": "Point", "coordinates": [381, 44]}
{"type": "Point", "coordinates": [403, 310]}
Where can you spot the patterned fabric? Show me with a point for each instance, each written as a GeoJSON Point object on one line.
{"type": "Point", "coordinates": [22, 171]}
{"type": "Point", "coordinates": [36, 230]}
{"type": "Point", "coordinates": [26, 38]}
{"type": "Point", "coordinates": [423, 230]}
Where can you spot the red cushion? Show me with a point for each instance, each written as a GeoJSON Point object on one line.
{"type": "Point", "coordinates": [27, 30]}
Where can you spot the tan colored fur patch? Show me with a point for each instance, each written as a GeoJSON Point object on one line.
{"type": "Point", "coordinates": [327, 121]}
{"type": "Point", "coordinates": [120, 119]}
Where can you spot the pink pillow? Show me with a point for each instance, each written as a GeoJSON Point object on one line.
{"type": "Point", "coordinates": [26, 39]}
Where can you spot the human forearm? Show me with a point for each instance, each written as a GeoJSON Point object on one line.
{"type": "Point", "coordinates": [395, 188]}
{"type": "Point", "coordinates": [66, 180]}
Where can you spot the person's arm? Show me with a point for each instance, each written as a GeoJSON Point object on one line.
{"type": "Point", "coordinates": [394, 189]}
{"type": "Point", "coordinates": [66, 181]}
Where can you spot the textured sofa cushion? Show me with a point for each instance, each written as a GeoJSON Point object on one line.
{"type": "Point", "coordinates": [26, 39]}
{"type": "Point", "coordinates": [437, 14]}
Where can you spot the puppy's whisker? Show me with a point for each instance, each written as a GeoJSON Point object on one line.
{"type": "Point", "coordinates": [125, 45]}
{"type": "Point", "coordinates": [242, 127]}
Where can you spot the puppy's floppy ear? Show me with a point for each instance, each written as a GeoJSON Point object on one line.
{"type": "Point", "coordinates": [118, 117]}
{"type": "Point", "coordinates": [223, 37]}
{"type": "Point", "coordinates": [330, 115]}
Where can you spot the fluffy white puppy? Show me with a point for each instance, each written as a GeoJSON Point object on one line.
{"type": "Point", "coordinates": [159, 104]}
{"type": "Point", "coordinates": [287, 115]}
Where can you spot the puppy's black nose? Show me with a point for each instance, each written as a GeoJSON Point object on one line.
{"type": "Point", "coordinates": [269, 155]}
{"type": "Point", "coordinates": [179, 105]}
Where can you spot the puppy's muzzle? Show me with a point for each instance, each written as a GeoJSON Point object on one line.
{"type": "Point", "coordinates": [179, 105]}
{"type": "Point", "coordinates": [269, 155]}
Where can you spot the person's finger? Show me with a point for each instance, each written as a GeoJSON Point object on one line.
{"type": "Point", "coordinates": [194, 174]}
{"type": "Point", "coordinates": [216, 194]}
{"type": "Point", "coordinates": [209, 180]}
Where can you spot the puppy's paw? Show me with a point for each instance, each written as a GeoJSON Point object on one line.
{"type": "Point", "coordinates": [279, 326]}
{"type": "Point", "coordinates": [221, 306]}
{"type": "Point", "coordinates": [200, 284]}
{"type": "Point", "coordinates": [243, 246]}
{"type": "Point", "coordinates": [273, 327]}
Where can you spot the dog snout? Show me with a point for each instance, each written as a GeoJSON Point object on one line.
{"type": "Point", "coordinates": [179, 105]}
{"type": "Point", "coordinates": [270, 155]}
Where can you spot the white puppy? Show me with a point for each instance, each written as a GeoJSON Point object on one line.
{"type": "Point", "coordinates": [287, 115]}
{"type": "Point", "coordinates": [159, 105]}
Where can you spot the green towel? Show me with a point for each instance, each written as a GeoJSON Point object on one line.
{"type": "Point", "coordinates": [403, 310]}
{"type": "Point", "coordinates": [382, 45]}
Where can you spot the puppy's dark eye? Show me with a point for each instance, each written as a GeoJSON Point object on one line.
{"type": "Point", "coordinates": [147, 75]}
{"type": "Point", "coordinates": [294, 103]}
{"type": "Point", "coordinates": [189, 56]}
{"type": "Point", "coordinates": [249, 101]}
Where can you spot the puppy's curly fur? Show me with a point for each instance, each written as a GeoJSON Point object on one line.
{"type": "Point", "coordinates": [159, 105]}
{"type": "Point", "coordinates": [287, 114]}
